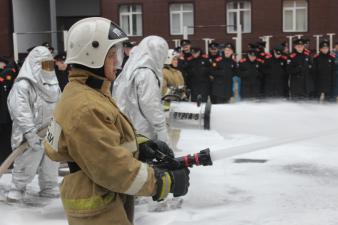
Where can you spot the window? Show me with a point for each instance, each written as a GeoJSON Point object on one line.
{"type": "Point", "coordinates": [239, 10]}
{"type": "Point", "coordinates": [181, 15]}
{"type": "Point", "coordinates": [131, 19]}
{"type": "Point", "coordinates": [295, 16]}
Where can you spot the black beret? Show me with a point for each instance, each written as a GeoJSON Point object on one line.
{"type": "Point", "coordinates": [60, 57]}
{"type": "Point", "coordinates": [253, 46]}
{"type": "Point", "coordinates": [229, 45]}
{"type": "Point", "coordinates": [128, 44]}
{"type": "Point", "coordinates": [195, 50]}
{"type": "Point", "coordinates": [213, 45]}
{"type": "Point", "coordinates": [300, 41]}
{"type": "Point", "coordinates": [279, 48]}
{"type": "Point", "coordinates": [324, 43]}
{"type": "Point", "coordinates": [185, 42]}
{"type": "Point", "coordinates": [261, 44]}
{"type": "Point", "coordinates": [252, 52]}
{"type": "Point", "coordinates": [47, 45]}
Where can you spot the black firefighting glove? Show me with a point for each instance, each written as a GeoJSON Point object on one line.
{"type": "Point", "coordinates": [180, 182]}
{"type": "Point", "coordinates": [175, 182]}
{"type": "Point", "coordinates": [149, 149]}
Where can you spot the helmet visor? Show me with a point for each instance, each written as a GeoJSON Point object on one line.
{"type": "Point", "coordinates": [47, 65]}
{"type": "Point", "coordinates": [119, 55]}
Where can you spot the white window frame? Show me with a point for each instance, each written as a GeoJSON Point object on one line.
{"type": "Point", "coordinates": [180, 13]}
{"type": "Point", "coordinates": [238, 10]}
{"type": "Point", "coordinates": [294, 9]}
{"type": "Point", "coordinates": [130, 13]}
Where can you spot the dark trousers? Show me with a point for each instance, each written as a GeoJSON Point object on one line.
{"type": "Point", "coordinates": [336, 89]}
{"type": "Point", "coordinates": [219, 100]}
{"type": "Point", "coordinates": [5, 141]}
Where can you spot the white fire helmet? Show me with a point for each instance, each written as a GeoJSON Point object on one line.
{"type": "Point", "coordinates": [90, 39]}
{"type": "Point", "coordinates": [171, 55]}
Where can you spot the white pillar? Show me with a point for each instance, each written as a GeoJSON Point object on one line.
{"type": "Point", "coordinates": [15, 47]}
{"type": "Point", "coordinates": [207, 41]}
{"type": "Point", "coordinates": [65, 39]}
{"type": "Point", "coordinates": [239, 37]}
{"type": "Point", "coordinates": [176, 42]}
{"type": "Point", "coordinates": [331, 40]}
{"type": "Point", "coordinates": [239, 40]}
{"type": "Point", "coordinates": [53, 24]}
{"type": "Point", "coordinates": [290, 42]}
{"type": "Point", "coordinates": [185, 32]}
{"type": "Point", "coordinates": [299, 36]}
{"type": "Point", "coordinates": [317, 36]}
{"type": "Point", "coordinates": [266, 38]}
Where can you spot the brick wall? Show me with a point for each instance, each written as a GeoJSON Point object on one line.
{"type": "Point", "coordinates": [6, 44]}
{"type": "Point", "coordinates": [267, 19]}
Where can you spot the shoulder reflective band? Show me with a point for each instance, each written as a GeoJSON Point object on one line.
{"type": "Point", "coordinates": [166, 185]}
{"type": "Point", "coordinates": [94, 202]}
{"type": "Point", "coordinates": [140, 179]}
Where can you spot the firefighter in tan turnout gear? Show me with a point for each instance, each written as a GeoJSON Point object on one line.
{"type": "Point", "coordinates": [173, 80]}
{"type": "Point", "coordinates": [97, 140]}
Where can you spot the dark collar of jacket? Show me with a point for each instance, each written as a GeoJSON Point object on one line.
{"type": "Point", "coordinates": [96, 82]}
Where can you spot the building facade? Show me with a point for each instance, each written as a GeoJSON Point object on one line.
{"type": "Point", "coordinates": [214, 19]}
{"type": "Point", "coordinates": [39, 21]}
{"type": "Point", "coordinates": [6, 25]}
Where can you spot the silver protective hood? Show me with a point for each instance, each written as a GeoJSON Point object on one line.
{"type": "Point", "coordinates": [43, 81]}
{"type": "Point", "coordinates": [151, 53]}
{"type": "Point", "coordinates": [137, 90]}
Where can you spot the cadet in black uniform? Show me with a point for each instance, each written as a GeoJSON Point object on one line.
{"type": "Point", "coordinates": [127, 46]}
{"type": "Point", "coordinates": [198, 75]}
{"type": "Point", "coordinates": [307, 46]}
{"type": "Point", "coordinates": [7, 77]}
{"type": "Point", "coordinates": [324, 71]}
{"type": "Point", "coordinates": [250, 74]}
{"type": "Point", "coordinates": [185, 55]}
{"type": "Point", "coordinates": [285, 51]}
{"type": "Point", "coordinates": [299, 67]}
{"type": "Point", "coordinates": [275, 76]}
{"type": "Point", "coordinates": [259, 47]}
{"type": "Point", "coordinates": [213, 52]}
{"type": "Point", "coordinates": [184, 59]}
{"type": "Point", "coordinates": [214, 58]}
{"type": "Point", "coordinates": [61, 70]}
{"type": "Point", "coordinates": [223, 70]}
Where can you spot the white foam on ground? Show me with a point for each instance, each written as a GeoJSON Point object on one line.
{"type": "Point", "coordinates": [296, 186]}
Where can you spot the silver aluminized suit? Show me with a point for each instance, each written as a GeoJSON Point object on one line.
{"type": "Point", "coordinates": [31, 103]}
{"type": "Point", "coordinates": [137, 90]}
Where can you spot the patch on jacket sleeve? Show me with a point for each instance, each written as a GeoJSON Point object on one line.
{"type": "Point", "coordinates": [53, 135]}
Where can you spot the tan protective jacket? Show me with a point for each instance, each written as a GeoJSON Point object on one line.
{"type": "Point", "coordinates": [89, 130]}
{"type": "Point", "coordinates": [171, 78]}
